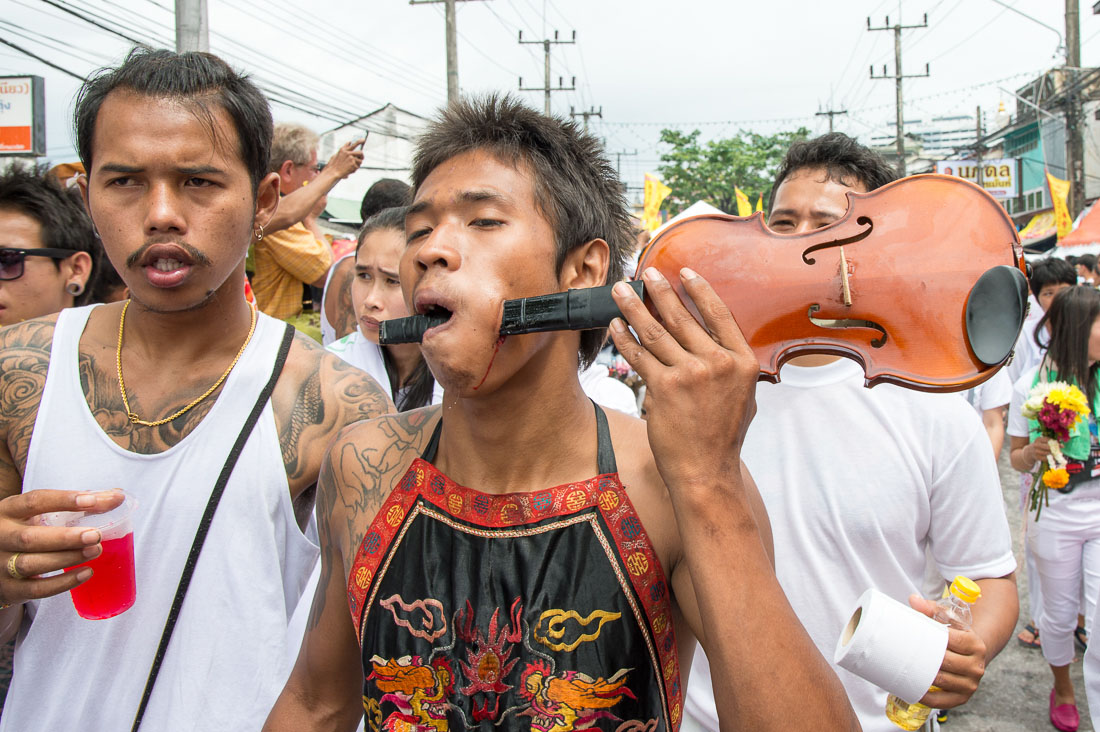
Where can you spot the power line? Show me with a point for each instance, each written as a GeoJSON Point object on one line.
{"type": "Point", "coordinates": [36, 37]}
{"type": "Point", "coordinates": [63, 8]}
{"type": "Point", "coordinates": [38, 58]}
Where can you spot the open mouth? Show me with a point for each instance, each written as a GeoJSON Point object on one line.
{"type": "Point", "coordinates": [436, 315]}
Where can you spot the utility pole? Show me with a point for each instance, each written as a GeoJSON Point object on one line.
{"type": "Point", "coordinates": [1075, 148]}
{"type": "Point", "coordinates": [898, 76]}
{"type": "Point", "coordinates": [593, 112]}
{"type": "Point", "coordinates": [979, 147]}
{"type": "Point", "coordinates": [452, 44]}
{"type": "Point", "coordinates": [618, 159]}
{"type": "Point", "coordinates": [830, 114]}
{"type": "Point", "coordinates": [546, 88]}
{"type": "Point", "coordinates": [192, 26]}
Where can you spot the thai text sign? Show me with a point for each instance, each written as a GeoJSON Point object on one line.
{"type": "Point", "coordinates": [999, 176]}
{"type": "Point", "coordinates": [22, 115]}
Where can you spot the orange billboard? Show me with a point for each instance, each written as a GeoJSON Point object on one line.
{"type": "Point", "coordinates": [22, 115]}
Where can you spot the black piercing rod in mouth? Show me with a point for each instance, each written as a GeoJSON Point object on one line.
{"type": "Point", "coordinates": [583, 309]}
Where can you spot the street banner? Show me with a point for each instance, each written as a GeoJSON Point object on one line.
{"type": "Point", "coordinates": [1059, 191]}
{"type": "Point", "coordinates": [22, 115]}
{"type": "Point", "coordinates": [760, 203]}
{"type": "Point", "coordinates": [999, 175]}
{"type": "Point", "coordinates": [655, 194]}
{"type": "Point", "coordinates": [744, 208]}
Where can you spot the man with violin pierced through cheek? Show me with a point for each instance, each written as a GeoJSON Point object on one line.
{"type": "Point", "coordinates": [150, 396]}
{"type": "Point", "coordinates": [859, 482]}
{"type": "Point", "coordinates": [517, 558]}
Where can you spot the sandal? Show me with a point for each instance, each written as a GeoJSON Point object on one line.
{"type": "Point", "coordinates": [1033, 642]}
{"type": "Point", "coordinates": [1081, 638]}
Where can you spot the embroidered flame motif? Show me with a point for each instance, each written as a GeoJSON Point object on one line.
{"type": "Point", "coordinates": [428, 622]}
{"type": "Point", "coordinates": [551, 627]}
{"type": "Point", "coordinates": [488, 662]}
{"type": "Point", "coordinates": [569, 700]}
{"type": "Point", "coordinates": [419, 692]}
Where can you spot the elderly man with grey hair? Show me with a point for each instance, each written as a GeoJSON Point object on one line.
{"type": "Point", "coordinates": [294, 251]}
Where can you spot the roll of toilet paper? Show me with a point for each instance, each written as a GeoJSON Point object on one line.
{"type": "Point", "coordinates": [892, 645]}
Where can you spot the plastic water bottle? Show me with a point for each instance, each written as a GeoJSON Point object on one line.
{"type": "Point", "coordinates": [952, 610]}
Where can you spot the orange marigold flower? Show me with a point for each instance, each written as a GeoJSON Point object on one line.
{"type": "Point", "coordinates": [1057, 478]}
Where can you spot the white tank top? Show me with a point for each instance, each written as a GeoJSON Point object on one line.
{"type": "Point", "coordinates": [228, 660]}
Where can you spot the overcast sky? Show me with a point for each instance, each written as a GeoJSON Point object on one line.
{"type": "Point", "coordinates": [716, 65]}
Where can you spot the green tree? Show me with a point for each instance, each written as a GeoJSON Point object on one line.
{"type": "Point", "coordinates": [708, 171]}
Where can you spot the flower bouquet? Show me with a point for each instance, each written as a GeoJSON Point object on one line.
{"type": "Point", "coordinates": [1057, 407]}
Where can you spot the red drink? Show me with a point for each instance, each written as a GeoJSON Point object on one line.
{"type": "Point", "coordinates": [111, 589]}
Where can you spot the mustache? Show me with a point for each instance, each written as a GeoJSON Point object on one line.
{"type": "Point", "coordinates": [196, 256]}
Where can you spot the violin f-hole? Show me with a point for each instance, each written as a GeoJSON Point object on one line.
{"type": "Point", "coordinates": [845, 323]}
{"type": "Point", "coordinates": [862, 221]}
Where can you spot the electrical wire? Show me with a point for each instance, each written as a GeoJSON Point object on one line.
{"type": "Point", "coordinates": [35, 37]}
{"type": "Point", "coordinates": [38, 58]}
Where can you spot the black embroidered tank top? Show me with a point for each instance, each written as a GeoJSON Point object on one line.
{"type": "Point", "coordinates": [546, 610]}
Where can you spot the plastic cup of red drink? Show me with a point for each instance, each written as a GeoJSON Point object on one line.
{"type": "Point", "coordinates": [111, 590]}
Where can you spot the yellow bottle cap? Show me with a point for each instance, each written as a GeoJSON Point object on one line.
{"type": "Point", "coordinates": [966, 589]}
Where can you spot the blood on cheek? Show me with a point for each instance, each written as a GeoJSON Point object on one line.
{"type": "Point", "coordinates": [496, 350]}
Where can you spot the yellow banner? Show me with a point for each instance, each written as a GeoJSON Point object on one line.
{"type": "Point", "coordinates": [655, 194]}
{"type": "Point", "coordinates": [1059, 192]}
{"type": "Point", "coordinates": [744, 208]}
{"type": "Point", "coordinates": [760, 203]}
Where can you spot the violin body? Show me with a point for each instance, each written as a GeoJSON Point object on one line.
{"type": "Point", "coordinates": [922, 282]}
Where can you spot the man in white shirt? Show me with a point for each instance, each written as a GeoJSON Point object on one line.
{"type": "Point", "coordinates": [860, 482]}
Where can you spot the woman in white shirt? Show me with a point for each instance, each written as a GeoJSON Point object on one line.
{"type": "Point", "coordinates": [1065, 541]}
{"type": "Point", "coordinates": [376, 296]}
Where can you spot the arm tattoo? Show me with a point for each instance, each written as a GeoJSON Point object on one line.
{"type": "Point", "coordinates": [369, 468]}
{"type": "Point", "coordinates": [24, 362]}
{"type": "Point", "coordinates": [309, 409]}
{"type": "Point", "coordinates": [329, 549]}
{"type": "Point", "coordinates": [329, 396]}
{"type": "Point", "coordinates": [345, 311]}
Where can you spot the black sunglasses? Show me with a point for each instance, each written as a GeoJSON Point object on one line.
{"type": "Point", "coordinates": [11, 260]}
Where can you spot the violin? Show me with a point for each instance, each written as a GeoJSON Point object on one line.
{"type": "Point", "coordinates": [921, 282]}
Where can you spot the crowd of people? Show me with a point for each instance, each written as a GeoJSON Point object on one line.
{"type": "Point", "coordinates": [475, 531]}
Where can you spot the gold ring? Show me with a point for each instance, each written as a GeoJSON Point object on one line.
{"type": "Point", "coordinates": [12, 569]}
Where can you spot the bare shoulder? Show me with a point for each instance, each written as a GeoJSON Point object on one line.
{"type": "Point", "coordinates": [363, 464]}
{"type": "Point", "coordinates": [637, 468]}
{"type": "Point", "coordinates": [24, 362]}
{"type": "Point", "coordinates": [640, 476]}
{"type": "Point", "coordinates": [317, 395]}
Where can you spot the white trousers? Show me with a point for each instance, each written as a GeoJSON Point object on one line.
{"type": "Point", "coordinates": [1065, 543]}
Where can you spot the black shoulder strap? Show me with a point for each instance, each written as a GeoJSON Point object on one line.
{"type": "Point", "coordinates": [605, 451]}
{"type": "Point", "coordinates": [207, 518]}
{"type": "Point", "coordinates": [432, 447]}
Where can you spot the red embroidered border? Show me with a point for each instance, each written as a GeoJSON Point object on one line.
{"type": "Point", "coordinates": [516, 509]}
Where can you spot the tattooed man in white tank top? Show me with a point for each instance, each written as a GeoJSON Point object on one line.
{"type": "Point", "coordinates": [176, 151]}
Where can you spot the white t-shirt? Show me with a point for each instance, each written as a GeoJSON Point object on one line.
{"type": "Point", "coordinates": [996, 392]}
{"type": "Point", "coordinates": [858, 483]}
{"type": "Point", "coordinates": [607, 391]}
{"type": "Point", "coordinates": [1027, 354]}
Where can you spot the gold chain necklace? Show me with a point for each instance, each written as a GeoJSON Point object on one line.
{"type": "Point", "coordinates": [134, 419]}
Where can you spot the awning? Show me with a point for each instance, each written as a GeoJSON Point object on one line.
{"type": "Point", "coordinates": [1086, 237]}
{"type": "Point", "coordinates": [1041, 233]}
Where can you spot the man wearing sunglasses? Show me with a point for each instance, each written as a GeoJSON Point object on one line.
{"type": "Point", "coordinates": [48, 249]}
